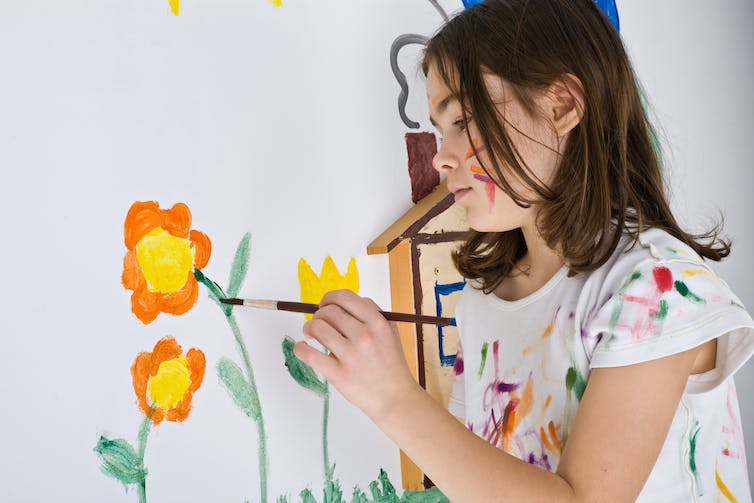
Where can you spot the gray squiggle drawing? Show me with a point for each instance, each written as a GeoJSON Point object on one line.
{"type": "Point", "coordinates": [442, 12]}
{"type": "Point", "coordinates": [398, 44]}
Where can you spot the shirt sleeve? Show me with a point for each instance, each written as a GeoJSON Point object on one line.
{"type": "Point", "coordinates": [664, 307]}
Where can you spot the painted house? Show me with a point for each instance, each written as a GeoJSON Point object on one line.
{"type": "Point", "coordinates": [423, 279]}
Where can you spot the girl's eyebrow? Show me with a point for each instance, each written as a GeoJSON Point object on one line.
{"type": "Point", "coordinates": [442, 105]}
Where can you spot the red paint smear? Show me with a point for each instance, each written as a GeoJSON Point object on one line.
{"type": "Point", "coordinates": [663, 278]}
{"type": "Point", "coordinates": [490, 187]}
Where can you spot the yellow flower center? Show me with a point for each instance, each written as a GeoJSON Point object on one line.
{"type": "Point", "coordinates": [165, 260]}
{"type": "Point", "coordinates": [169, 386]}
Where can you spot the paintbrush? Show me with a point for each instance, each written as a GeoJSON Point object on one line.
{"type": "Point", "coordinates": [301, 307]}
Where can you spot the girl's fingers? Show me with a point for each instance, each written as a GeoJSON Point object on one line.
{"type": "Point", "coordinates": [361, 308]}
{"type": "Point", "coordinates": [339, 320]}
{"type": "Point", "coordinates": [325, 364]}
{"type": "Point", "coordinates": [326, 334]}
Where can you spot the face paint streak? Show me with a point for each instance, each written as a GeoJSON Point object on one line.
{"type": "Point", "coordinates": [485, 346]}
{"type": "Point", "coordinates": [681, 287]}
{"type": "Point", "coordinates": [483, 178]}
{"type": "Point", "coordinates": [475, 150]}
{"type": "Point", "coordinates": [490, 188]}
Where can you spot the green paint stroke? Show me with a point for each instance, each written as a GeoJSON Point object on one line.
{"type": "Point", "coordinates": [333, 492]}
{"type": "Point", "coordinates": [575, 382]}
{"type": "Point", "coordinates": [485, 346]}
{"type": "Point", "coordinates": [262, 451]}
{"type": "Point", "coordinates": [692, 454]}
{"type": "Point", "coordinates": [663, 311]}
{"type": "Point", "coordinates": [618, 307]}
{"type": "Point", "coordinates": [681, 287]}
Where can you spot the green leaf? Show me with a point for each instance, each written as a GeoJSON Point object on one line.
{"type": "Point", "coordinates": [239, 388]}
{"type": "Point", "coordinates": [120, 461]}
{"type": "Point", "coordinates": [301, 372]}
{"type": "Point", "coordinates": [281, 499]}
{"type": "Point", "coordinates": [240, 266]}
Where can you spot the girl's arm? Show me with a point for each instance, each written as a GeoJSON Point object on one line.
{"type": "Point", "coordinates": [617, 434]}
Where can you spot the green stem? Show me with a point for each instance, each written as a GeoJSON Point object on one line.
{"type": "Point", "coordinates": [325, 421]}
{"type": "Point", "coordinates": [143, 433]}
{"type": "Point", "coordinates": [216, 293]}
{"type": "Point", "coordinates": [257, 406]}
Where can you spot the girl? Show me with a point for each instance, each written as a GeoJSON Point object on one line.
{"type": "Point", "coordinates": [611, 343]}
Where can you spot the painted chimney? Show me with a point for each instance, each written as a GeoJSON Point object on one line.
{"type": "Point", "coordinates": [421, 148]}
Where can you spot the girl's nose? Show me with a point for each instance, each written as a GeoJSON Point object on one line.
{"type": "Point", "coordinates": [444, 160]}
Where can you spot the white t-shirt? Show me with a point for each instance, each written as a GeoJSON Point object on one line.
{"type": "Point", "coordinates": [523, 365]}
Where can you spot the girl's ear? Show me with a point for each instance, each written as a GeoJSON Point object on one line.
{"type": "Point", "coordinates": [565, 102]}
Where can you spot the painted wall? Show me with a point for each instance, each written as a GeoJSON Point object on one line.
{"type": "Point", "coordinates": [281, 122]}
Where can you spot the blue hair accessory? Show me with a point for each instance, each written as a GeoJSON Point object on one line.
{"type": "Point", "coordinates": [610, 10]}
{"type": "Point", "coordinates": [607, 6]}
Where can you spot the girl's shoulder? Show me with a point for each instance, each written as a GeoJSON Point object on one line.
{"type": "Point", "coordinates": [656, 297]}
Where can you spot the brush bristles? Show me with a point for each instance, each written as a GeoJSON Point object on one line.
{"type": "Point", "coordinates": [237, 302]}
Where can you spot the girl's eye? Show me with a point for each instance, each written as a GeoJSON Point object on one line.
{"type": "Point", "coordinates": [462, 123]}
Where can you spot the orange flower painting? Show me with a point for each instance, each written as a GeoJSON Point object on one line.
{"type": "Point", "coordinates": [166, 379]}
{"type": "Point", "coordinates": [163, 252]}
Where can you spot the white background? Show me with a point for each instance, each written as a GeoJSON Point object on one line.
{"type": "Point", "coordinates": [282, 122]}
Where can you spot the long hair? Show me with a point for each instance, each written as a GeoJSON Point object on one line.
{"type": "Point", "coordinates": [609, 177]}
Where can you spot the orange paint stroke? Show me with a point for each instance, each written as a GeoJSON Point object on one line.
{"type": "Point", "coordinates": [544, 335]}
{"type": "Point", "coordinates": [550, 438]}
{"type": "Point", "coordinates": [518, 408]}
{"type": "Point", "coordinates": [475, 149]}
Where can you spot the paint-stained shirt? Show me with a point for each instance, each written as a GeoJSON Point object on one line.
{"type": "Point", "coordinates": [523, 365]}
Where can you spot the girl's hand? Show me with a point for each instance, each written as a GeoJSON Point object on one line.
{"type": "Point", "coordinates": [366, 362]}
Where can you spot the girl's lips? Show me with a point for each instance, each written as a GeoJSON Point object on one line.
{"type": "Point", "coordinates": [459, 193]}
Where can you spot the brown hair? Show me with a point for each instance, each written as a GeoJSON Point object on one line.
{"type": "Point", "coordinates": [610, 172]}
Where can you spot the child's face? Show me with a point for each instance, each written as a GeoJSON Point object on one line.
{"type": "Point", "coordinates": [488, 208]}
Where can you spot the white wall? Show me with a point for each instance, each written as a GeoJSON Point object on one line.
{"type": "Point", "coordinates": [281, 122]}
{"type": "Point", "coordinates": [695, 61]}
